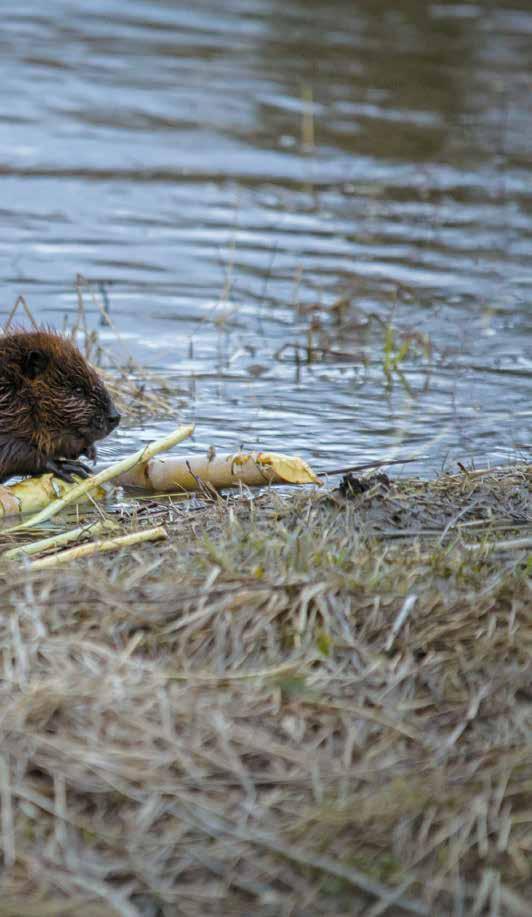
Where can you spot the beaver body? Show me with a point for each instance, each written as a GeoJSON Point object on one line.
{"type": "Point", "coordinates": [53, 406]}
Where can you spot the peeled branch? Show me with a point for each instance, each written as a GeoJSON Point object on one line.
{"type": "Point", "coordinates": [185, 474]}
{"type": "Point", "coordinates": [58, 541]}
{"type": "Point", "coordinates": [99, 547]}
{"type": "Point", "coordinates": [33, 494]}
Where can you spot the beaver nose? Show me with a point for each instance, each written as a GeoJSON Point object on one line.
{"type": "Point", "coordinates": [113, 417]}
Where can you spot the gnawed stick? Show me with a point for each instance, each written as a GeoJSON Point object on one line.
{"type": "Point", "coordinates": [33, 494]}
{"type": "Point", "coordinates": [99, 547]}
{"type": "Point", "coordinates": [78, 490]}
{"type": "Point", "coordinates": [187, 473]}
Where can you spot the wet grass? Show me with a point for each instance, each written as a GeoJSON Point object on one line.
{"type": "Point", "coordinates": [309, 703]}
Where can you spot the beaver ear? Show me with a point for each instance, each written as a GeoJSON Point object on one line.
{"type": "Point", "coordinates": [35, 362]}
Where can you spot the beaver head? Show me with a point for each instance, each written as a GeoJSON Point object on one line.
{"type": "Point", "coordinates": [50, 395]}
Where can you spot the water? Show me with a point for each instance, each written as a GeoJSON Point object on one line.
{"type": "Point", "coordinates": [231, 172]}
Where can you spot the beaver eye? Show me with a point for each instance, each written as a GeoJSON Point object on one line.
{"type": "Point", "coordinates": [78, 390]}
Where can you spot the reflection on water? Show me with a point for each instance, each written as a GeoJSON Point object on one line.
{"type": "Point", "coordinates": [255, 174]}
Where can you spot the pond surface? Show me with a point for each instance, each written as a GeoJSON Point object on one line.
{"type": "Point", "coordinates": [280, 200]}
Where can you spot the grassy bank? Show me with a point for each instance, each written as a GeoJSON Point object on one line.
{"type": "Point", "coordinates": [298, 704]}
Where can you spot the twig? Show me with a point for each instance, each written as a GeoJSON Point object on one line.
{"type": "Point", "coordinates": [99, 547]}
{"type": "Point", "coordinates": [21, 300]}
{"type": "Point", "coordinates": [374, 717]}
{"type": "Point", "coordinates": [216, 826]}
{"type": "Point", "coordinates": [57, 541]}
{"type": "Point", "coordinates": [8, 831]}
{"type": "Point", "coordinates": [349, 469]}
{"type": "Point", "coordinates": [408, 606]}
{"type": "Point", "coordinates": [286, 668]}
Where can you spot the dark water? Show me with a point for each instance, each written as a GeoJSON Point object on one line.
{"type": "Point", "coordinates": [236, 173]}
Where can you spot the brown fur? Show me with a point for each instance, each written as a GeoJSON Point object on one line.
{"type": "Point", "coordinates": [53, 405]}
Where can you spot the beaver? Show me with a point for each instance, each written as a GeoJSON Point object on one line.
{"type": "Point", "coordinates": [53, 406]}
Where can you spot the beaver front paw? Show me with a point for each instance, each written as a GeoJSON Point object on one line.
{"type": "Point", "coordinates": [65, 468]}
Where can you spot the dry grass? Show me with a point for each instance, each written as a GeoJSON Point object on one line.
{"type": "Point", "coordinates": [139, 393]}
{"type": "Point", "coordinates": [283, 710]}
